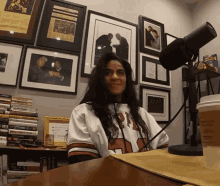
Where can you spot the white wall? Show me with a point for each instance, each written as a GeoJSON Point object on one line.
{"type": "Point", "coordinates": [177, 21]}
{"type": "Point", "coordinates": [208, 11]}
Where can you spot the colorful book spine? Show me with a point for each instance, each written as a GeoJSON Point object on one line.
{"type": "Point", "coordinates": [16, 137]}
{"type": "Point", "coordinates": [21, 117]}
{"type": "Point", "coordinates": [22, 132]}
{"type": "Point", "coordinates": [22, 127]}
{"type": "Point", "coordinates": [5, 105]}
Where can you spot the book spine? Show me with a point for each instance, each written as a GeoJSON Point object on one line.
{"type": "Point", "coordinates": [5, 95]}
{"type": "Point", "coordinates": [20, 163]}
{"type": "Point", "coordinates": [5, 105]}
{"type": "Point", "coordinates": [4, 168]}
{"type": "Point", "coordinates": [4, 120]}
{"type": "Point", "coordinates": [21, 117]}
{"type": "Point", "coordinates": [23, 120]}
{"type": "Point", "coordinates": [3, 133]}
{"type": "Point", "coordinates": [4, 115]}
{"type": "Point", "coordinates": [23, 132]}
{"type": "Point", "coordinates": [15, 137]}
{"type": "Point", "coordinates": [22, 127]}
{"type": "Point", "coordinates": [3, 111]}
{"type": "Point", "coordinates": [21, 173]}
{"type": "Point", "coordinates": [1, 180]}
{"type": "Point", "coordinates": [21, 113]}
{"type": "Point", "coordinates": [3, 126]}
{"type": "Point", "coordinates": [49, 163]}
{"type": "Point", "coordinates": [53, 163]}
{"type": "Point", "coordinates": [43, 164]}
{"type": "Point", "coordinates": [22, 124]}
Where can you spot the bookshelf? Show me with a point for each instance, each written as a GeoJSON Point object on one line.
{"type": "Point", "coordinates": [46, 158]}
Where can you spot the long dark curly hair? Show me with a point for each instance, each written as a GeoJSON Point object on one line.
{"type": "Point", "coordinates": [99, 97]}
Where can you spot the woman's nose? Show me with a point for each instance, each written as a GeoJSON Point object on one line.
{"type": "Point", "coordinates": [114, 75]}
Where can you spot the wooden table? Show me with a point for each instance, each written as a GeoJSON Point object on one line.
{"type": "Point", "coordinates": [107, 171]}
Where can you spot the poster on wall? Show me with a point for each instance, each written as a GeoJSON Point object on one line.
{"type": "Point", "coordinates": [108, 34]}
{"type": "Point", "coordinates": [62, 25]}
{"type": "Point", "coordinates": [19, 20]}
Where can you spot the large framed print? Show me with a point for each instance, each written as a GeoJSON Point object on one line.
{"type": "Point", "coordinates": [50, 70]}
{"type": "Point", "coordinates": [109, 34]}
{"type": "Point", "coordinates": [10, 57]}
{"type": "Point", "coordinates": [153, 73]}
{"type": "Point", "coordinates": [58, 127]}
{"type": "Point", "coordinates": [62, 25]}
{"type": "Point", "coordinates": [151, 36]}
{"type": "Point", "coordinates": [156, 101]}
{"type": "Point", "coordinates": [19, 20]}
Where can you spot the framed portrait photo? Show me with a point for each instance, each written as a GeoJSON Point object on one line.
{"type": "Point", "coordinates": [153, 73]}
{"type": "Point", "coordinates": [108, 34]}
{"type": "Point", "coordinates": [151, 36]}
{"type": "Point", "coordinates": [50, 70]}
{"type": "Point", "coordinates": [58, 128]}
{"type": "Point", "coordinates": [10, 57]}
{"type": "Point", "coordinates": [156, 101]}
{"type": "Point", "coordinates": [62, 25]}
{"type": "Point", "coordinates": [19, 20]}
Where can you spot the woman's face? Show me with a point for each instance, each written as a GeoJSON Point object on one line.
{"type": "Point", "coordinates": [115, 77]}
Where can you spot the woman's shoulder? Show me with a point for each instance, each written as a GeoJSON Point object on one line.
{"type": "Point", "coordinates": [83, 108]}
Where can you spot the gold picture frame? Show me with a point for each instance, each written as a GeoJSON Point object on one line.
{"type": "Point", "coordinates": [58, 127]}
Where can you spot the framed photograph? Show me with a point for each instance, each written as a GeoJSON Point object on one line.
{"type": "Point", "coordinates": [19, 20]}
{"type": "Point", "coordinates": [10, 57]}
{"type": "Point", "coordinates": [58, 128]}
{"type": "Point", "coordinates": [151, 36]}
{"type": "Point", "coordinates": [108, 34]}
{"type": "Point", "coordinates": [156, 101]}
{"type": "Point", "coordinates": [153, 73]}
{"type": "Point", "coordinates": [62, 25]}
{"type": "Point", "coordinates": [50, 70]}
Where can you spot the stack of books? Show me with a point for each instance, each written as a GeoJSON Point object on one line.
{"type": "Point", "coordinates": [5, 104]}
{"type": "Point", "coordinates": [22, 122]}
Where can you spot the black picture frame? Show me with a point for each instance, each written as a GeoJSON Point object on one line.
{"type": "Point", "coordinates": [16, 30]}
{"type": "Point", "coordinates": [150, 44]}
{"type": "Point", "coordinates": [156, 101]}
{"type": "Point", "coordinates": [152, 73]}
{"type": "Point", "coordinates": [48, 78]}
{"type": "Point", "coordinates": [97, 29]}
{"type": "Point", "coordinates": [62, 25]}
{"type": "Point", "coordinates": [10, 62]}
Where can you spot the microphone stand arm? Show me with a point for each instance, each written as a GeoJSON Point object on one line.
{"type": "Point", "coordinates": [193, 100]}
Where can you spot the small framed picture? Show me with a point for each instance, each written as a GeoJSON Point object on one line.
{"type": "Point", "coordinates": [58, 128]}
{"type": "Point", "coordinates": [19, 20]}
{"type": "Point", "coordinates": [151, 36]}
{"type": "Point", "coordinates": [50, 70]}
{"type": "Point", "coordinates": [153, 73]}
{"type": "Point", "coordinates": [62, 25]}
{"type": "Point", "coordinates": [10, 57]}
{"type": "Point", "coordinates": [156, 101]}
{"type": "Point", "coordinates": [104, 34]}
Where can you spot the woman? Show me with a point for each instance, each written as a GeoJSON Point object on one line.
{"type": "Point", "coordinates": [95, 130]}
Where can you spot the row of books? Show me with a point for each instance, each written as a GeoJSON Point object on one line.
{"type": "Point", "coordinates": [18, 121]}
{"type": "Point", "coordinates": [12, 169]}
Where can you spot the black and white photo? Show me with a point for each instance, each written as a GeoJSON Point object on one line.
{"type": "Point", "coordinates": [50, 70]}
{"type": "Point", "coordinates": [157, 102]}
{"type": "Point", "coordinates": [10, 56]}
{"type": "Point", "coordinates": [104, 34]}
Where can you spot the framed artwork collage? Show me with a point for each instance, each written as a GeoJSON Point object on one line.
{"type": "Point", "coordinates": [44, 39]}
